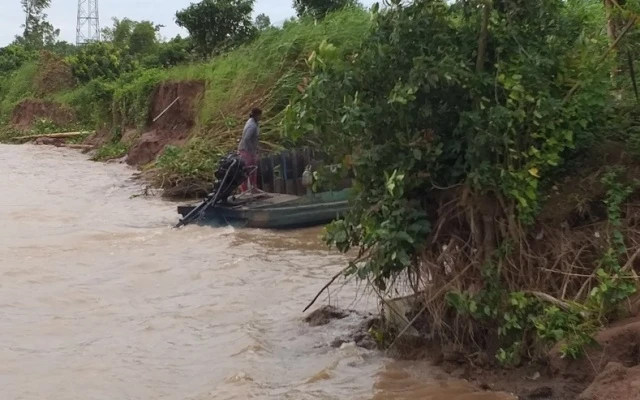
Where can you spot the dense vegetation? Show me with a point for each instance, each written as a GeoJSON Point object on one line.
{"type": "Point", "coordinates": [468, 124]}
{"type": "Point", "coordinates": [113, 80]}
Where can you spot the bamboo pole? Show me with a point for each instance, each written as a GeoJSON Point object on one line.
{"type": "Point", "coordinates": [51, 135]}
{"type": "Point", "coordinates": [166, 109]}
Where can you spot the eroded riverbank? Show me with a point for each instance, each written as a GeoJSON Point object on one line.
{"type": "Point", "coordinates": [102, 300]}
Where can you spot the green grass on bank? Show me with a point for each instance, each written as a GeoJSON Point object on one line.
{"type": "Point", "coordinates": [269, 69]}
{"type": "Point", "coordinates": [16, 87]}
{"type": "Point", "coordinates": [265, 73]}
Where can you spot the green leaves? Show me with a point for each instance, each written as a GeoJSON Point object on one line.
{"type": "Point", "coordinates": [319, 8]}
{"type": "Point", "coordinates": [394, 184]}
{"type": "Point", "coordinates": [417, 115]}
{"type": "Point", "coordinates": [100, 60]}
{"type": "Point", "coordinates": [614, 284]}
{"type": "Point", "coordinates": [217, 24]}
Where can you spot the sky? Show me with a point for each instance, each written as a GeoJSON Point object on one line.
{"type": "Point", "coordinates": [63, 14]}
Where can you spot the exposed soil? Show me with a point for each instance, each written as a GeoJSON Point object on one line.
{"type": "Point", "coordinates": [576, 200]}
{"type": "Point", "coordinates": [49, 141]}
{"type": "Point", "coordinates": [150, 145]}
{"type": "Point", "coordinates": [99, 138]}
{"type": "Point", "coordinates": [610, 371]}
{"type": "Point", "coordinates": [105, 135]}
{"type": "Point", "coordinates": [615, 382]}
{"type": "Point", "coordinates": [28, 111]}
{"type": "Point", "coordinates": [619, 343]}
{"type": "Point", "coordinates": [527, 382]}
{"type": "Point", "coordinates": [174, 126]}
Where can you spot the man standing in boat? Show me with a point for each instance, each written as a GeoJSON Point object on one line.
{"type": "Point", "coordinates": [248, 148]}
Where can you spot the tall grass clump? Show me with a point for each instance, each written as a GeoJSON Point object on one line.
{"type": "Point", "coordinates": [92, 102]}
{"type": "Point", "coordinates": [265, 73]}
{"type": "Point", "coordinates": [15, 87]}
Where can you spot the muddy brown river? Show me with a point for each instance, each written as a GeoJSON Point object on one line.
{"type": "Point", "coordinates": [101, 300]}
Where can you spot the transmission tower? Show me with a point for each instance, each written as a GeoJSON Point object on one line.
{"type": "Point", "coordinates": [88, 26]}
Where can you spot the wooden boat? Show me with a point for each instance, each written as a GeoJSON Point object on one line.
{"type": "Point", "coordinates": [275, 211]}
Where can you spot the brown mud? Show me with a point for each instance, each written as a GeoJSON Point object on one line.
{"type": "Point", "coordinates": [610, 368]}
{"type": "Point", "coordinates": [174, 126]}
{"type": "Point", "coordinates": [615, 382]}
{"type": "Point", "coordinates": [619, 343]}
{"type": "Point", "coordinates": [576, 200]}
{"type": "Point", "coordinates": [28, 112]}
{"type": "Point", "coordinates": [168, 123]}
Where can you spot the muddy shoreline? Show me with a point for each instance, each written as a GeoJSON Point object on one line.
{"type": "Point", "coordinates": [610, 368]}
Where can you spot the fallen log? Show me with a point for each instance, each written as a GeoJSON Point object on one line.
{"type": "Point", "coordinates": [52, 135]}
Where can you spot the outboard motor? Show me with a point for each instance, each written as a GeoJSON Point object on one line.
{"type": "Point", "coordinates": [231, 173]}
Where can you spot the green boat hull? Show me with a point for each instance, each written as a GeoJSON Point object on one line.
{"type": "Point", "coordinates": [276, 211]}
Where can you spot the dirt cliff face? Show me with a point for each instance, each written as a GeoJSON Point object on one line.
{"type": "Point", "coordinates": [174, 126]}
{"type": "Point", "coordinates": [615, 382]}
{"type": "Point", "coordinates": [619, 343]}
{"type": "Point", "coordinates": [27, 112]}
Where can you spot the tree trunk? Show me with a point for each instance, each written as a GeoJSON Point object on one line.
{"type": "Point", "coordinates": [484, 33]}
{"type": "Point", "coordinates": [486, 207]}
{"type": "Point", "coordinates": [611, 32]}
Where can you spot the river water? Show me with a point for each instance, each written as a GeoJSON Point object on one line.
{"type": "Point", "coordinates": [101, 300]}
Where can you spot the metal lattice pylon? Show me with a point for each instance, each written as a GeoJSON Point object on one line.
{"type": "Point", "coordinates": [88, 26]}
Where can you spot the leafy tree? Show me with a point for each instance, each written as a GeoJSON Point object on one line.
{"type": "Point", "coordinates": [63, 48]}
{"type": "Point", "coordinates": [144, 38]}
{"type": "Point", "coordinates": [13, 56]}
{"type": "Point", "coordinates": [168, 54]}
{"type": "Point", "coordinates": [137, 37]}
{"type": "Point", "coordinates": [100, 60]}
{"type": "Point", "coordinates": [176, 51]}
{"type": "Point", "coordinates": [214, 24]}
{"type": "Point", "coordinates": [120, 33]}
{"type": "Point", "coordinates": [455, 118]}
{"type": "Point", "coordinates": [263, 22]}
{"type": "Point", "coordinates": [319, 8]}
{"type": "Point", "coordinates": [38, 32]}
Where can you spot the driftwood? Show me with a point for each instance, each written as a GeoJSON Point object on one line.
{"type": "Point", "coordinates": [51, 135]}
{"type": "Point", "coordinates": [325, 287]}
